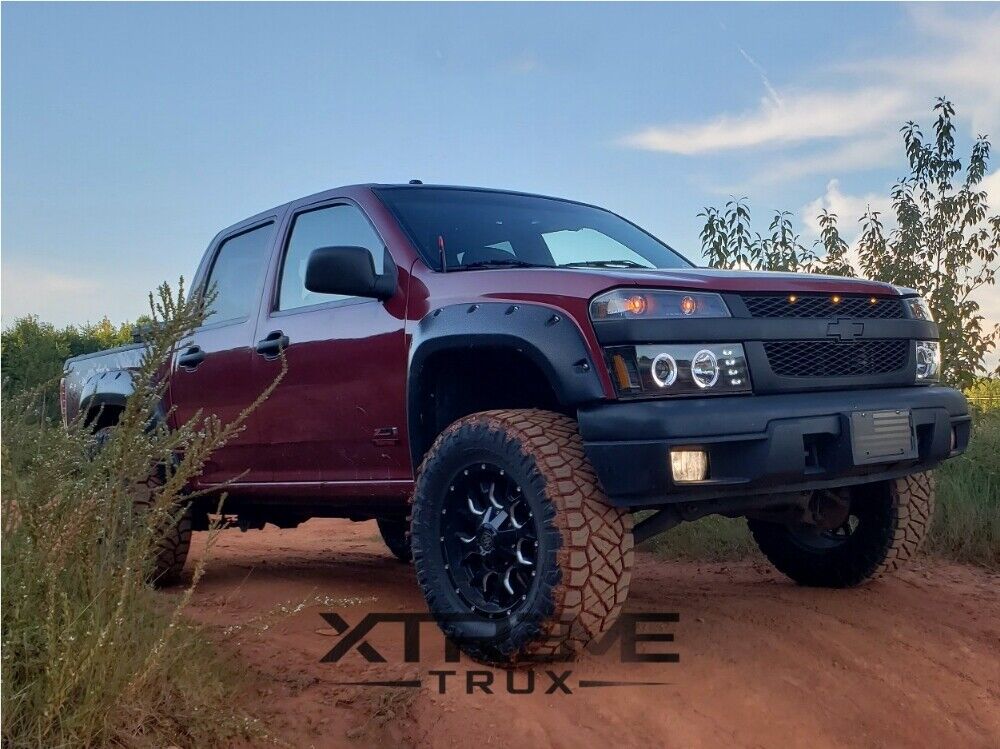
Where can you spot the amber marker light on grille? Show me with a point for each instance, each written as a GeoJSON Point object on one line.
{"type": "Point", "coordinates": [873, 300]}
{"type": "Point", "coordinates": [793, 299]}
{"type": "Point", "coordinates": [835, 299]}
{"type": "Point", "coordinates": [688, 464]}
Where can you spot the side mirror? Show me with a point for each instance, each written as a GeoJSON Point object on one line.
{"type": "Point", "coordinates": [349, 271]}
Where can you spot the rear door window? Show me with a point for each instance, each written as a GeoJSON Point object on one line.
{"type": "Point", "coordinates": [237, 273]}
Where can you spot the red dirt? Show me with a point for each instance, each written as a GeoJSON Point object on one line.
{"type": "Point", "coordinates": [910, 661]}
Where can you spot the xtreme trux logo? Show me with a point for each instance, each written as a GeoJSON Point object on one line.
{"type": "Point", "coordinates": [640, 638]}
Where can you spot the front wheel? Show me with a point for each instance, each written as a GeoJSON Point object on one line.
{"type": "Point", "coordinates": [883, 526]}
{"type": "Point", "coordinates": [395, 533]}
{"type": "Point", "coordinates": [516, 550]}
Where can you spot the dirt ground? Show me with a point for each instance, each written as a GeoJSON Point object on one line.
{"type": "Point", "coordinates": [911, 661]}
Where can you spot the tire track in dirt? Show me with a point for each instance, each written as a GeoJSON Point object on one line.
{"type": "Point", "coordinates": [912, 660]}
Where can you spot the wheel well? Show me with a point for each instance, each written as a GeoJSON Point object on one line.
{"type": "Point", "coordinates": [454, 384]}
{"type": "Point", "coordinates": [102, 415]}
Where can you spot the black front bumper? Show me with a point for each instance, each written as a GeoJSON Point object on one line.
{"type": "Point", "coordinates": [760, 444]}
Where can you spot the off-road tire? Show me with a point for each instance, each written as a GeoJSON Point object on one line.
{"type": "Point", "coordinates": [174, 538]}
{"type": "Point", "coordinates": [894, 519]}
{"type": "Point", "coordinates": [396, 534]}
{"type": "Point", "coordinates": [585, 553]}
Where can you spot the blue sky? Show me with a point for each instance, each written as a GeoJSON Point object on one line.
{"type": "Point", "coordinates": [133, 132]}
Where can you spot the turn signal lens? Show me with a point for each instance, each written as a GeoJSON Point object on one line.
{"type": "Point", "coordinates": [919, 309]}
{"type": "Point", "coordinates": [636, 305]}
{"type": "Point", "coordinates": [928, 361]}
{"type": "Point", "coordinates": [654, 304]}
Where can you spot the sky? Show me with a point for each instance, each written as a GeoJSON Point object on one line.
{"type": "Point", "coordinates": [132, 133]}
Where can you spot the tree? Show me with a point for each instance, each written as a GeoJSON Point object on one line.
{"type": "Point", "coordinates": [944, 245]}
{"type": "Point", "coordinates": [34, 352]}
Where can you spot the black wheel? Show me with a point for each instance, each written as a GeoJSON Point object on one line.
{"type": "Point", "coordinates": [516, 550]}
{"type": "Point", "coordinates": [882, 526]}
{"type": "Point", "coordinates": [395, 533]}
{"type": "Point", "coordinates": [173, 539]}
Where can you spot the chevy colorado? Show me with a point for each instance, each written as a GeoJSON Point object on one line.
{"type": "Point", "coordinates": [501, 380]}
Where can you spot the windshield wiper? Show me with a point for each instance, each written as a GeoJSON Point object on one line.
{"type": "Point", "coordinates": [512, 263]}
{"type": "Point", "coordinates": [605, 264]}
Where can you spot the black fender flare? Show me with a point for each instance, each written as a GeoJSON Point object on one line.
{"type": "Point", "coordinates": [547, 336]}
{"type": "Point", "coordinates": [112, 389]}
{"type": "Point", "coordinates": [105, 389]}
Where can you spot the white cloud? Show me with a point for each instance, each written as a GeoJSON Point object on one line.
{"type": "Point", "coordinates": [800, 117]}
{"type": "Point", "coordinates": [849, 208]}
{"type": "Point", "coordinates": [959, 57]}
{"type": "Point", "coordinates": [961, 60]}
{"type": "Point", "coordinates": [61, 298]}
{"type": "Point", "coordinates": [524, 63]}
{"type": "Point", "coordinates": [842, 158]}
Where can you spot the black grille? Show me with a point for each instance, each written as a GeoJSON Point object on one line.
{"type": "Point", "coordinates": [824, 306]}
{"type": "Point", "coordinates": [836, 359]}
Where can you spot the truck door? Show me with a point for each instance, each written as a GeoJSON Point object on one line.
{"type": "Point", "coordinates": [213, 372]}
{"type": "Point", "coordinates": [338, 415]}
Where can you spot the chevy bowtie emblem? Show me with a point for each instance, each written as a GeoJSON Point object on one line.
{"type": "Point", "coordinates": [845, 330]}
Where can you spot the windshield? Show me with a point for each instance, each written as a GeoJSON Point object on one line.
{"type": "Point", "coordinates": [481, 229]}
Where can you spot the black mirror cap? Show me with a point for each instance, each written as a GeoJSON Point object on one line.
{"type": "Point", "coordinates": [349, 271]}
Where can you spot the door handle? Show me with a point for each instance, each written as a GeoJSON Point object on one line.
{"type": "Point", "coordinates": [272, 346]}
{"type": "Point", "coordinates": [191, 358]}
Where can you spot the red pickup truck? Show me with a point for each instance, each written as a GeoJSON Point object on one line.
{"type": "Point", "coordinates": [503, 379]}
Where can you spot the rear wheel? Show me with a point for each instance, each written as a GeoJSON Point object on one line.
{"type": "Point", "coordinates": [173, 538]}
{"type": "Point", "coordinates": [881, 527]}
{"type": "Point", "coordinates": [516, 550]}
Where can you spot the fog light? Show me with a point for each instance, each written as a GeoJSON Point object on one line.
{"type": "Point", "coordinates": [688, 464]}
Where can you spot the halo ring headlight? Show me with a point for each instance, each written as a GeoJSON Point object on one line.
{"type": "Point", "coordinates": [664, 370]}
{"type": "Point", "coordinates": [705, 369]}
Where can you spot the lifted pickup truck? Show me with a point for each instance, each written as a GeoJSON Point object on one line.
{"type": "Point", "coordinates": [502, 380]}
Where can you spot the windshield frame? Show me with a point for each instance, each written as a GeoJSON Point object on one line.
{"type": "Point", "coordinates": [434, 262]}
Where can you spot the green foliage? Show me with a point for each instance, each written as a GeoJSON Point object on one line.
{"type": "Point", "coordinates": [91, 656]}
{"type": "Point", "coordinates": [944, 245]}
{"type": "Point", "coordinates": [34, 352]}
{"type": "Point", "coordinates": [967, 520]}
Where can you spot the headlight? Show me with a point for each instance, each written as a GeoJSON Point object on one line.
{"type": "Point", "coordinates": [928, 361]}
{"type": "Point", "coordinates": [646, 304]}
{"type": "Point", "coordinates": [678, 369]}
{"type": "Point", "coordinates": [919, 309]}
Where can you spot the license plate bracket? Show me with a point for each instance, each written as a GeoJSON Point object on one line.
{"type": "Point", "coordinates": [882, 436]}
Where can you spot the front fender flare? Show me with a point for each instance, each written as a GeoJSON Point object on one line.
{"type": "Point", "coordinates": [547, 336]}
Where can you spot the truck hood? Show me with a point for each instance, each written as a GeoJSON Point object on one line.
{"type": "Point", "coordinates": [713, 279]}
{"type": "Point", "coordinates": [582, 284]}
